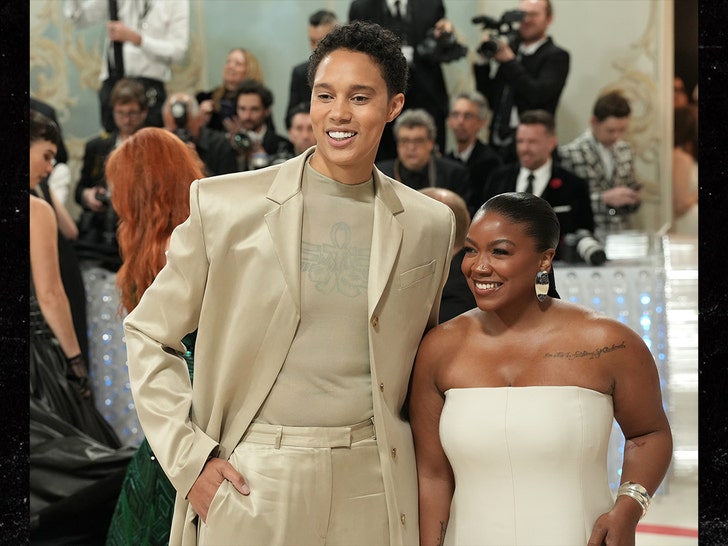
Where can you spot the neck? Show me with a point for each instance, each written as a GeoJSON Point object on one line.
{"type": "Point", "coordinates": [464, 145]}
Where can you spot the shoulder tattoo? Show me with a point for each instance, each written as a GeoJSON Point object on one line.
{"type": "Point", "coordinates": [588, 354]}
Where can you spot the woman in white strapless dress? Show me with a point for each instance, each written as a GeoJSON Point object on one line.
{"type": "Point", "coordinates": [512, 403]}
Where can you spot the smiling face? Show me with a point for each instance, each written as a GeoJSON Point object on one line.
{"type": "Point", "coordinates": [534, 145]}
{"type": "Point", "coordinates": [536, 22]}
{"type": "Point", "coordinates": [235, 69]}
{"type": "Point", "coordinates": [349, 109]}
{"type": "Point", "coordinates": [42, 156]}
{"type": "Point", "coordinates": [501, 262]}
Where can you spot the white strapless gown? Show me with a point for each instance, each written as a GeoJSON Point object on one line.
{"type": "Point", "coordinates": [530, 464]}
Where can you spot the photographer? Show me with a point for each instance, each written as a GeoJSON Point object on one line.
{"type": "Point", "coordinates": [536, 173]}
{"type": "Point", "coordinates": [531, 74]}
{"type": "Point", "coordinates": [255, 143]}
{"type": "Point", "coordinates": [426, 87]}
{"type": "Point", "coordinates": [210, 148]}
{"type": "Point", "coordinates": [97, 224]}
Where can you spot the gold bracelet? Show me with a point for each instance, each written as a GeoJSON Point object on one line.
{"type": "Point", "coordinates": [638, 493]}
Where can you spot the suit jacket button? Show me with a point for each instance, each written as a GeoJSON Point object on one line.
{"type": "Point", "coordinates": [403, 518]}
{"type": "Point", "coordinates": [381, 387]}
{"type": "Point", "coordinates": [394, 453]}
{"type": "Point", "coordinates": [375, 322]}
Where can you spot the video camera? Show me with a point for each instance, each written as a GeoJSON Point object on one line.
{"type": "Point", "coordinates": [506, 28]}
{"type": "Point", "coordinates": [179, 115]}
{"type": "Point", "coordinates": [442, 49]}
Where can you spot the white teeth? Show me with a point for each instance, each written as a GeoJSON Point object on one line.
{"type": "Point", "coordinates": [340, 135]}
{"type": "Point", "coordinates": [486, 285]}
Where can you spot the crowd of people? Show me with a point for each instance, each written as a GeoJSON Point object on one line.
{"type": "Point", "coordinates": [281, 294]}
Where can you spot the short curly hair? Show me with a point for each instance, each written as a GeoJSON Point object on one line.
{"type": "Point", "coordinates": [380, 44]}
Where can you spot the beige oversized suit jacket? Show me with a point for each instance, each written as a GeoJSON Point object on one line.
{"type": "Point", "coordinates": [233, 274]}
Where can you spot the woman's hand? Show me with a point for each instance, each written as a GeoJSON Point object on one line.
{"type": "Point", "coordinates": [618, 526]}
{"type": "Point", "coordinates": [208, 482]}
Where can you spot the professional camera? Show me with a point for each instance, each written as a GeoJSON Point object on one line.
{"type": "Point", "coordinates": [103, 197]}
{"type": "Point", "coordinates": [241, 142]}
{"type": "Point", "coordinates": [582, 246]}
{"type": "Point", "coordinates": [442, 49]}
{"type": "Point", "coordinates": [179, 115]}
{"type": "Point", "coordinates": [506, 28]}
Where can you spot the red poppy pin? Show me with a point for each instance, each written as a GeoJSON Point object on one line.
{"type": "Point", "coordinates": [555, 183]}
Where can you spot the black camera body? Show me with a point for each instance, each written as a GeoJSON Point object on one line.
{"type": "Point", "coordinates": [180, 116]}
{"type": "Point", "coordinates": [241, 142]}
{"type": "Point", "coordinates": [582, 246]}
{"type": "Point", "coordinates": [103, 197]}
{"type": "Point", "coordinates": [506, 27]}
{"type": "Point", "coordinates": [442, 49]}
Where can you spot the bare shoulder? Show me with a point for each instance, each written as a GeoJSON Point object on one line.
{"type": "Point", "coordinates": [596, 331]}
{"type": "Point", "coordinates": [440, 342]}
{"type": "Point", "coordinates": [40, 206]}
{"type": "Point", "coordinates": [41, 211]}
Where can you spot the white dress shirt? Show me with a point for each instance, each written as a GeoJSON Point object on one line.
{"type": "Point", "coordinates": [164, 26]}
{"type": "Point", "coordinates": [542, 176]}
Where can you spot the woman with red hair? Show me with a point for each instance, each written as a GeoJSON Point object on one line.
{"type": "Point", "coordinates": [150, 176]}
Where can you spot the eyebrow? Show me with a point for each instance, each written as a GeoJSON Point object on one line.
{"type": "Point", "coordinates": [493, 243]}
{"type": "Point", "coordinates": [354, 88]}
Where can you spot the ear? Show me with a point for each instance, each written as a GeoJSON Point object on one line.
{"type": "Point", "coordinates": [396, 103]}
{"type": "Point", "coordinates": [546, 259]}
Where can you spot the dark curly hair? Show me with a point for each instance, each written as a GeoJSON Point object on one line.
{"type": "Point", "coordinates": [249, 86]}
{"type": "Point", "coordinates": [380, 44]}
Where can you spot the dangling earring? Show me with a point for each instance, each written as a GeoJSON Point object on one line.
{"type": "Point", "coordinates": [542, 285]}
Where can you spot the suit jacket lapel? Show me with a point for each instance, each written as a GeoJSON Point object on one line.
{"type": "Point", "coordinates": [386, 238]}
{"type": "Point", "coordinates": [285, 221]}
{"type": "Point", "coordinates": [595, 162]}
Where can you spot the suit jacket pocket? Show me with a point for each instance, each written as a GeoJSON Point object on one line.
{"type": "Point", "coordinates": [410, 277]}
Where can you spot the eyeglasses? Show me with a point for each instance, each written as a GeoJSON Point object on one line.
{"type": "Point", "coordinates": [418, 141]}
{"type": "Point", "coordinates": [467, 116]}
{"type": "Point", "coordinates": [132, 114]}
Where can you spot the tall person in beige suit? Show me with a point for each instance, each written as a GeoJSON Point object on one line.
{"type": "Point", "coordinates": [310, 285]}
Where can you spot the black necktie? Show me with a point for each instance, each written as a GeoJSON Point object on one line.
{"type": "Point", "coordinates": [530, 178]}
{"type": "Point", "coordinates": [117, 71]}
{"type": "Point", "coordinates": [398, 22]}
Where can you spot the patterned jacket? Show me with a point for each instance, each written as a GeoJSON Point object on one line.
{"type": "Point", "coordinates": [581, 157]}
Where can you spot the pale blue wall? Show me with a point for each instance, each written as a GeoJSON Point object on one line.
{"type": "Point", "coordinates": [624, 43]}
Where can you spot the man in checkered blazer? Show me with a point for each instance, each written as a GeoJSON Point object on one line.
{"type": "Point", "coordinates": [606, 162]}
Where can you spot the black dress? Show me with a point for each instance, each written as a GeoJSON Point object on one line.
{"type": "Point", "coordinates": [52, 384]}
{"type": "Point", "coordinates": [76, 464]}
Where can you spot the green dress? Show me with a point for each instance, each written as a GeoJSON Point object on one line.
{"type": "Point", "coordinates": [143, 514]}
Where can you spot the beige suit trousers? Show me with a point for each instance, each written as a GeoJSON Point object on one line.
{"type": "Point", "coordinates": [308, 486]}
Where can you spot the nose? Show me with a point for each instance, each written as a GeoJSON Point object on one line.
{"type": "Point", "coordinates": [482, 266]}
{"type": "Point", "coordinates": [340, 110]}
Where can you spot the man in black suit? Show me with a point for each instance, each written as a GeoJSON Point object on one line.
{"type": "Point", "coordinates": [536, 173]}
{"type": "Point", "coordinates": [410, 20]}
{"type": "Point", "coordinates": [531, 75]}
{"type": "Point", "coordinates": [320, 24]}
{"type": "Point", "coordinates": [416, 165]}
{"type": "Point", "coordinates": [97, 224]}
{"type": "Point", "coordinates": [468, 114]}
